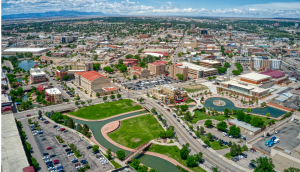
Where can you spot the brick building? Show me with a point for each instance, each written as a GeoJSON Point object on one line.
{"type": "Point", "coordinates": [144, 36]}
{"type": "Point", "coordinates": [140, 72]}
{"type": "Point", "coordinates": [53, 95]}
{"type": "Point", "coordinates": [157, 67]}
{"type": "Point", "coordinates": [37, 76]}
{"type": "Point", "coordinates": [174, 69]}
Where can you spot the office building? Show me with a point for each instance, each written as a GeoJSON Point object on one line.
{"type": "Point", "coordinates": [53, 96]}
{"type": "Point", "coordinates": [169, 94]}
{"type": "Point", "coordinates": [82, 65]}
{"type": "Point", "coordinates": [203, 32]}
{"type": "Point", "coordinates": [243, 60]}
{"type": "Point", "coordinates": [175, 69]}
{"type": "Point", "coordinates": [140, 72]}
{"type": "Point", "coordinates": [157, 67]}
{"type": "Point", "coordinates": [67, 39]}
{"type": "Point", "coordinates": [196, 71]}
{"type": "Point", "coordinates": [209, 63]}
{"type": "Point", "coordinates": [37, 76]}
{"type": "Point", "coordinates": [275, 64]}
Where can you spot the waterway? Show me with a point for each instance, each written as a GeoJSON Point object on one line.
{"type": "Point", "coordinates": [158, 164]}
{"type": "Point", "coordinates": [27, 64]}
{"type": "Point", "coordinates": [229, 104]}
{"type": "Point", "coordinates": [25, 99]}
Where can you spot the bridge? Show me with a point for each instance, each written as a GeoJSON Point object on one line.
{"type": "Point", "coordinates": [136, 151]}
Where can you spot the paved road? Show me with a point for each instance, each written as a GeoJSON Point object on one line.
{"type": "Point", "coordinates": [210, 159]}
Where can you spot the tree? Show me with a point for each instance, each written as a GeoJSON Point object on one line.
{"type": "Point", "coordinates": [108, 69]}
{"type": "Point", "coordinates": [188, 116]}
{"type": "Point", "coordinates": [143, 168]}
{"type": "Point", "coordinates": [153, 110]}
{"type": "Point", "coordinates": [292, 169]}
{"type": "Point", "coordinates": [268, 115]}
{"type": "Point", "coordinates": [184, 107]}
{"type": "Point", "coordinates": [57, 117]}
{"type": "Point", "coordinates": [35, 164]}
{"type": "Point", "coordinates": [104, 98]}
{"type": "Point", "coordinates": [210, 136]}
{"type": "Point", "coordinates": [240, 115]}
{"type": "Point", "coordinates": [119, 95]}
{"type": "Point", "coordinates": [79, 127]}
{"type": "Point", "coordinates": [66, 77]}
{"type": "Point", "coordinates": [120, 61]}
{"type": "Point", "coordinates": [82, 102]}
{"type": "Point", "coordinates": [234, 131]}
{"type": "Point", "coordinates": [164, 122]}
{"type": "Point", "coordinates": [89, 101]}
{"type": "Point", "coordinates": [201, 130]}
{"type": "Point", "coordinates": [76, 103]}
{"type": "Point", "coordinates": [263, 164]}
{"type": "Point", "coordinates": [169, 133]}
{"type": "Point", "coordinates": [208, 123]}
{"type": "Point", "coordinates": [121, 154]}
{"type": "Point", "coordinates": [95, 148]}
{"type": "Point", "coordinates": [136, 163]}
{"type": "Point", "coordinates": [247, 118]}
{"type": "Point", "coordinates": [70, 123]}
{"type": "Point", "coordinates": [190, 161]}
{"type": "Point", "coordinates": [248, 110]}
{"type": "Point", "coordinates": [134, 77]}
{"type": "Point", "coordinates": [180, 76]}
{"type": "Point", "coordinates": [40, 113]}
{"type": "Point", "coordinates": [112, 96]}
{"type": "Point", "coordinates": [97, 94]}
{"type": "Point", "coordinates": [220, 142]}
{"type": "Point", "coordinates": [85, 129]}
{"type": "Point", "coordinates": [123, 68]}
{"type": "Point", "coordinates": [257, 121]}
{"type": "Point", "coordinates": [184, 152]}
{"type": "Point", "coordinates": [222, 126]}
{"type": "Point", "coordinates": [152, 170]}
{"type": "Point", "coordinates": [226, 111]}
{"type": "Point", "coordinates": [109, 153]}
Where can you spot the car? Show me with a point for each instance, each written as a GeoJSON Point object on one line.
{"type": "Point", "coordinates": [68, 150]}
{"type": "Point", "coordinates": [48, 160]}
{"type": "Point", "coordinates": [205, 146]}
{"type": "Point", "coordinates": [234, 159]}
{"type": "Point", "coordinates": [98, 156]}
{"type": "Point", "coordinates": [230, 136]}
{"type": "Point", "coordinates": [251, 165]}
{"type": "Point", "coordinates": [174, 115]}
{"type": "Point", "coordinates": [65, 131]}
{"type": "Point", "coordinates": [79, 140]}
{"type": "Point", "coordinates": [271, 144]}
{"type": "Point", "coordinates": [77, 164]}
{"type": "Point", "coordinates": [45, 157]}
{"type": "Point", "coordinates": [277, 140]}
{"type": "Point", "coordinates": [47, 122]}
{"type": "Point", "coordinates": [62, 129]}
{"type": "Point", "coordinates": [178, 120]}
{"type": "Point", "coordinates": [58, 165]}
{"type": "Point", "coordinates": [244, 155]}
{"type": "Point", "coordinates": [48, 148]}
{"type": "Point", "coordinates": [34, 134]}
{"type": "Point", "coordinates": [56, 161]}
{"type": "Point", "coordinates": [252, 150]}
{"type": "Point", "coordinates": [28, 115]}
{"type": "Point", "coordinates": [89, 147]}
{"type": "Point", "coordinates": [54, 126]}
{"type": "Point", "coordinates": [83, 161]}
{"type": "Point", "coordinates": [74, 161]}
{"type": "Point", "coordinates": [277, 131]}
{"type": "Point", "coordinates": [51, 168]}
{"type": "Point", "coordinates": [273, 138]}
{"type": "Point", "coordinates": [97, 151]}
{"type": "Point", "coordinates": [70, 154]}
{"type": "Point", "coordinates": [44, 154]}
{"type": "Point", "coordinates": [64, 145]}
{"type": "Point", "coordinates": [58, 128]}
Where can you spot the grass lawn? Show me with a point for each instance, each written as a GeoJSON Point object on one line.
{"type": "Point", "coordinates": [136, 131]}
{"type": "Point", "coordinates": [115, 164]}
{"type": "Point", "coordinates": [228, 155]}
{"type": "Point", "coordinates": [172, 152]}
{"type": "Point", "coordinates": [215, 145]}
{"type": "Point", "coordinates": [195, 88]}
{"type": "Point", "coordinates": [199, 115]}
{"type": "Point", "coordinates": [104, 110]}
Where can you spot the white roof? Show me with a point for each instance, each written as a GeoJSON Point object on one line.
{"type": "Point", "coordinates": [255, 76]}
{"type": "Point", "coordinates": [33, 50]}
{"type": "Point", "coordinates": [37, 72]}
{"type": "Point", "coordinates": [53, 91]}
{"type": "Point", "coordinates": [195, 67]}
{"type": "Point", "coordinates": [210, 61]}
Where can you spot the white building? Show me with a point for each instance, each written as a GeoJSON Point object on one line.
{"type": "Point", "coordinates": [54, 95]}
{"type": "Point", "coordinates": [24, 50]}
{"type": "Point", "coordinates": [275, 64]}
{"type": "Point", "coordinates": [257, 62]}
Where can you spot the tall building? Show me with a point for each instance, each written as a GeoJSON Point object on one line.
{"type": "Point", "coordinates": [203, 32]}
{"type": "Point", "coordinates": [275, 64]}
{"type": "Point", "coordinates": [54, 95]}
{"type": "Point", "coordinates": [37, 76]}
{"type": "Point", "coordinates": [193, 26]}
{"type": "Point", "coordinates": [67, 39]}
{"type": "Point", "coordinates": [196, 71]}
{"type": "Point", "coordinates": [175, 69]}
{"type": "Point", "coordinates": [157, 67]}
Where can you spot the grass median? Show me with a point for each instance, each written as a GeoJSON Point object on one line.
{"type": "Point", "coordinates": [172, 152]}
{"type": "Point", "coordinates": [136, 131]}
{"type": "Point", "coordinates": [105, 110]}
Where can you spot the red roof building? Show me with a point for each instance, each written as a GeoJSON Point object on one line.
{"type": "Point", "coordinates": [28, 169]}
{"type": "Point", "coordinates": [157, 67]}
{"type": "Point", "coordinates": [90, 75]}
{"type": "Point", "coordinates": [110, 89]}
{"type": "Point", "coordinates": [130, 62]}
{"type": "Point", "coordinates": [45, 59]}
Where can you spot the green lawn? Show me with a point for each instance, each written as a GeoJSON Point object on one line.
{"type": "Point", "coordinates": [228, 155]}
{"type": "Point", "coordinates": [199, 115]}
{"type": "Point", "coordinates": [215, 145]}
{"type": "Point", "coordinates": [172, 152]}
{"type": "Point", "coordinates": [195, 88]}
{"type": "Point", "coordinates": [104, 110]}
{"type": "Point", "coordinates": [115, 164]}
{"type": "Point", "coordinates": [136, 131]}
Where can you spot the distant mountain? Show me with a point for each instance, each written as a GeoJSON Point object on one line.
{"type": "Point", "coordinates": [53, 14]}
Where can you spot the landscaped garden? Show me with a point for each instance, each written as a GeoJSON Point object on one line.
{"type": "Point", "coordinates": [200, 115]}
{"type": "Point", "coordinates": [195, 88]}
{"type": "Point", "coordinates": [172, 152]}
{"type": "Point", "coordinates": [104, 110]}
{"type": "Point", "coordinates": [136, 131]}
{"type": "Point", "coordinates": [214, 144]}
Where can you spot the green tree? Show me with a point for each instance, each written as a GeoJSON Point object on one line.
{"type": "Point", "coordinates": [153, 110]}
{"type": "Point", "coordinates": [35, 164]}
{"type": "Point", "coordinates": [112, 96]}
{"type": "Point", "coordinates": [234, 131]}
{"type": "Point", "coordinates": [201, 130]}
{"type": "Point", "coordinates": [226, 111]}
{"type": "Point", "coordinates": [222, 126]}
{"type": "Point", "coordinates": [104, 98]}
{"type": "Point", "coordinates": [95, 148]}
{"type": "Point", "coordinates": [184, 152]}
{"type": "Point", "coordinates": [120, 61]}
{"type": "Point", "coordinates": [119, 96]}
{"type": "Point", "coordinates": [208, 123]}
{"type": "Point", "coordinates": [121, 154]}
{"type": "Point", "coordinates": [180, 76]}
{"type": "Point", "coordinates": [66, 77]}
{"type": "Point", "coordinates": [220, 142]}
{"type": "Point", "coordinates": [257, 121]}
{"type": "Point", "coordinates": [209, 136]}
{"type": "Point", "coordinates": [292, 169]}
{"type": "Point", "coordinates": [136, 163]}
{"type": "Point", "coordinates": [134, 77]}
{"type": "Point", "coordinates": [240, 115]}
{"type": "Point", "coordinates": [76, 103]}
{"type": "Point", "coordinates": [57, 117]}
{"type": "Point", "coordinates": [98, 94]}
{"type": "Point", "coordinates": [190, 161]}
{"type": "Point", "coordinates": [70, 123]}
{"type": "Point", "coordinates": [169, 133]}
{"type": "Point", "coordinates": [268, 115]}
{"type": "Point", "coordinates": [40, 113]}
{"type": "Point", "coordinates": [263, 164]}
{"type": "Point", "coordinates": [109, 153]}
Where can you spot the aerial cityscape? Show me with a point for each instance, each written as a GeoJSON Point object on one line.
{"type": "Point", "coordinates": [153, 86]}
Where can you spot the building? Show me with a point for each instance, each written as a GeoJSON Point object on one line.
{"type": "Point", "coordinates": [59, 54]}
{"type": "Point", "coordinates": [157, 67]}
{"type": "Point", "coordinates": [193, 26]}
{"type": "Point", "coordinates": [276, 24]}
{"type": "Point", "coordinates": [61, 73]}
{"type": "Point", "coordinates": [196, 71]}
{"type": "Point", "coordinates": [168, 93]}
{"type": "Point", "coordinates": [67, 39]}
{"type": "Point", "coordinates": [140, 72]}
{"type": "Point", "coordinates": [13, 157]}
{"type": "Point", "coordinates": [190, 43]}
{"type": "Point", "coordinates": [45, 59]}
{"type": "Point", "coordinates": [209, 63]}
{"type": "Point", "coordinates": [53, 96]}
{"type": "Point", "coordinates": [37, 76]}
{"type": "Point", "coordinates": [144, 36]}
{"type": "Point", "coordinates": [203, 32]}
{"type": "Point", "coordinates": [130, 62]}
{"type": "Point", "coordinates": [25, 50]}
{"type": "Point", "coordinates": [256, 63]}
{"type": "Point", "coordinates": [243, 60]}
{"type": "Point", "coordinates": [249, 129]}
{"type": "Point", "coordinates": [91, 81]}
{"type": "Point", "coordinates": [250, 85]}
{"type": "Point", "coordinates": [278, 76]}
{"type": "Point", "coordinates": [175, 69]}
{"type": "Point", "coordinates": [6, 103]}
{"type": "Point", "coordinates": [275, 64]}
{"type": "Point", "coordinates": [82, 65]}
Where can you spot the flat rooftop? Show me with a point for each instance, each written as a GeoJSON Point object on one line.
{"type": "Point", "coordinates": [245, 125]}
{"type": "Point", "coordinates": [53, 91]}
{"type": "Point", "coordinates": [13, 156]}
{"type": "Point", "coordinates": [195, 67]}
{"type": "Point", "coordinates": [33, 50]}
{"type": "Point", "coordinates": [255, 76]}
{"type": "Point", "coordinates": [211, 61]}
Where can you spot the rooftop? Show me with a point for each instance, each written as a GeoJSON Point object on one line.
{"type": "Point", "coordinates": [13, 156]}
{"type": "Point", "coordinates": [53, 91]}
{"type": "Point", "coordinates": [210, 61]}
{"type": "Point", "coordinates": [159, 63]}
{"type": "Point", "coordinates": [195, 67]}
{"type": "Point", "coordinates": [109, 88]}
{"type": "Point", "coordinates": [244, 125]}
{"type": "Point", "coordinates": [36, 71]}
{"type": "Point", "coordinates": [33, 50]}
{"type": "Point", "coordinates": [273, 73]}
{"type": "Point", "coordinates": [254, 76]}
{"type": "Point", "coordinates": [90, 75]}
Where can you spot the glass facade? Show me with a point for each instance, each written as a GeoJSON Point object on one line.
{"type": "Point", "coordinates": [239, 89]}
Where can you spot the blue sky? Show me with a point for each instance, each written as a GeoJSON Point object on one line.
{"type": "Point", "coordinates": [220, 8]}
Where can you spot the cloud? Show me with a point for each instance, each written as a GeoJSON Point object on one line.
{"type": "Point", "coordinates": [127, 7]}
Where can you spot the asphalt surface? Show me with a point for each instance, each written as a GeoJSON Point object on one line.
{"type": "Point", "coordinates": [184, 137]}
{"type": "Point", "coordinates": [59, 151]}
{"type": "Point", "coordinates": [287, 136]}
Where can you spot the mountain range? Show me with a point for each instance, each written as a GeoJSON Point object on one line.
{"type": "Point", "coordinates": [52, 14]}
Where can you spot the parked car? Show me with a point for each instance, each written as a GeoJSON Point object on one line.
{"type": "Point", "coordinates": [252, 150]}
{"type": "Point", "coordinates": [52, 155]}
{"type": "Point", "coordinates": [83, 161]}
{"type": "Point", "coordinates": [97, 151]}
{"type": "Point", "coordinates": [89, 147]}
{"type": "Point", "coordinates": [48, 148]}
{"type": "Point", "coordinates": [56, 161]}
{"type": "Point", "coordinates": [205, 146]}
{"type": "Point", "coordinates": [277, 140]}
{"type": "Point", "coordinates": [277, 131]}
{"type": "Point", "coordinates": [251, 165]}
{"type": "Point", "coordinates": [54, 126]}
{"type": "Point", "coordinates": [28, 115]}
{"type": "Point", "coordinates": [44, 154]}
{"type": "Point", "coordinates": [244, 155]}
{"type": "Point", "coordinates": [267, 142]}
{"type": "Point", "coordinates": [64, 145]}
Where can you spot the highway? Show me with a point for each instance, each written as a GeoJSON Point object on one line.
{"type": "Point", "coordinates": [196, 147]}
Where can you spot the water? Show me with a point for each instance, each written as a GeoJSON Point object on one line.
{"type": "Point", "coordinates": [20, 80]}
{"type": "Point", "coordinates": [27, 64]}
{"type": "Point", "coordinates": [159, 164]}
{"type": "Point", "coordinates": [25, 99]}
{"type": "Point", "coordinates": [229, 104]}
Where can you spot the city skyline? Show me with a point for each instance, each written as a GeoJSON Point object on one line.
{"type": "Point", "coordinates": [232, 8]}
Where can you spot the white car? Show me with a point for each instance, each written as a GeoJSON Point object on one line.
{"type": "Point", "coordinates": [277, 140]}
{"type": "Point", "coordinates": [45, 157]}
{"type": "Point", "coordinates": [48, 160]}
{"type": "Point", "coordinates": [58, 128]}
{"type": "Point", "coordinates": [58, 165]}
{"type": "Point", "coordinates": [224, 134]}
{"type": "Point", "coordinates": [51, 168]}
{"type": "Point", "coordinates": [277, 131]}
{"type": "Point", "coordinates": [230, 136]}
{"type": "Point", "coordinates": [71, 154]}
{"type": "Point", "coordinates": [34, 134]}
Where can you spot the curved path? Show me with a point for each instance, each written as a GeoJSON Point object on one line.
{"type": "Point", "coordinates": [113, 126]}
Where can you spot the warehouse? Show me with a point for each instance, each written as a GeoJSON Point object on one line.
{"type": "Point", "coordinates": [25, 50]}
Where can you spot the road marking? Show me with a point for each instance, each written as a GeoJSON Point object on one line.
{"type": "Point", "coordinates": [188, 140]}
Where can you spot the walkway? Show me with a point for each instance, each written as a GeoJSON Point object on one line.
{"type": "Point", "coordinates": [279, 107]}
{"type": "Point", "coordinates": [112, 126]}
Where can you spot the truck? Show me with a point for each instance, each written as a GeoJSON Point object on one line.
{"type": "Point", "coordinates": [271, 144]}
{"type": "Point", "coordinates": [267, 142]}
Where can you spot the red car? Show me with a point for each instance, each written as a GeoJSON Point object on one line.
{"type": "Point", "coordinates": [28, 115]}
{"type": "Point", "coordinates": [253, 149]}
{"type": "Point", "coordinates": [56, 161]}
{"type": "Point", "coordinates": [168, 110]}
{"type": "Point", "coordinates": [48, 148]}
{"type": "Point", "coordinates": [296, 88]}
{"type": "Point", "coordinates": [47, 122]}
{"type": "Point", "coordinates": [62, 129]}
{"type": "Point", "coordinates": [77, 164]}
{"type": "Point", "coordinates": [162, 105]}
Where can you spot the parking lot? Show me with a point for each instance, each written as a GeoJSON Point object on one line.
{"type": "Point", "coordinates": [148, 82]}
{"type": "Point", "coordinates": [50, 132]}
{"type": "Point", "coordinates": [250, 156]}
{"type": "Point", "coordinates": [288, 138]}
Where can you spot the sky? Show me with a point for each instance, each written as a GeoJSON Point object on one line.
{"type": "Point", "coordinates": [218, 8]}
